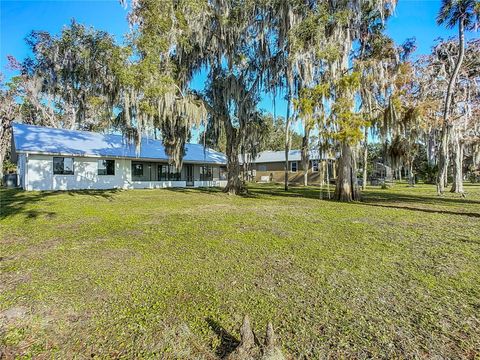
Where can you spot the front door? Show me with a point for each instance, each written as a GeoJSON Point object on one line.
{"type": "Point", "coordinates": [189, 171]}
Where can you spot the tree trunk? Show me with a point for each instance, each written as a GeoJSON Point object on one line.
{"type": "Point", "coordinates": [365, 160]}
{"type": "Point", "coordinates": [411, 177]}
{"type": "Point", "coordinates": [234, 183]}
{"type": "Point", "coordinates": [431, 156]}
{"type": "Point", "coordinates": [328, 182]}
{"type": "Point", "coordinates": [457, 186]}
{"type": "Point", "coordinates": [443, 158]}
{"type": "Point", "coordinates": [322, 171]}
{"type": "Point", "coordinates": [346, 186]}
{"type": "Point", "coordinates": [476, 157]}
{"type": "Point", "coordinates": [287, 142]}
{"type": "Point", "coordinates": [446, 169]}
{"type": "Point", "coordinates": [3, 152]}
{"type": "Point", "coordinates": [5, 143]}
{"type": "Point", "coordinates": [244, 167]}
{"type": "Point", "coordinates": [305, 174]}
{"type": "Point", "coordinates": [305, 154]}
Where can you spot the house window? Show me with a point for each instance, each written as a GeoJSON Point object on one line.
{"type": "Point", "coordinates": [262, 167]}
{"type": "Point", "coordinates": [63, 166]}
{"type": "Point", "coordinates": [223, 173]}
{"type": "Point", "coordinates": [294, 166]}
{"type": "Point", "coordinates": [137, 169]}
{"type": "Point", "coordinates": [106, 167]}
{"type": "Point", "coordinates": [162, 172]}
{"type": "Point", "coordinates": [206, 173]}
{"type": "Point", "coordinates": [314, 165]}
{"type": "Point", "coordinates": [168, 172]}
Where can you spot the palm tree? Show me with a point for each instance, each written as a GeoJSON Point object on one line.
{"type": "Point", "coordinates": [465, 14]}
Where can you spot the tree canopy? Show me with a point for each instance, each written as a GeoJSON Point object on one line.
{"type": "Point", "coordinates": [344, 80]}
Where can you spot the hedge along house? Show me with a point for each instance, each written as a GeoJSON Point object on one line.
{"type": "Point", "coordinates": [268, 166]}
{"type": "Point", "coordinates": [59, 159]}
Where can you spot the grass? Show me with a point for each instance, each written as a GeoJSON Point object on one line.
{"type": "Point", "coordinates": [170, 273]}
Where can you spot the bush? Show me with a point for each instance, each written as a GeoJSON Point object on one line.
{"type": "Point", "coordinates": [429, 174]}
{"type": "Point", "coordinates": [9, 167]}
{"type": "Point", "coordinates": [474, 178]}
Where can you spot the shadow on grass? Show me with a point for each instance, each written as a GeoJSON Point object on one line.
{"type": "Point", "coordinates": [388, 197]}
{"type": "Point", "coordinates": [266, 191]}
{"type": "Point", "coordinates": [190, 190]}
{"type": "Point", "coordinates": [255, 192]}
{"type": "Point", "coordinates": [431, 211]}
{"type": "Point", "coordinates": [14, 201]}
{"type": "Point", "coordinates": [368, 196]}
{"type": "Point", "coordinates": [105, 194]}
{"type": "Point", "coordinates": [228, 342]}
{"type": "Point", "coordinates": [377, 198]}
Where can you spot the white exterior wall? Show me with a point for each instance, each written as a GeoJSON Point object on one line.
{"type": "Point", "coordinates": [36, 173]}
{"type": "Point", "coordinates": [213, 183]}
{"type": "Point", "coordinates": [40, 175]}
{"type": "Point", "coordinates": [157, 184]}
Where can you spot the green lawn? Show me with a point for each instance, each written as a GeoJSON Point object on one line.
{"type": "Point", "coordinates": [126, 273]}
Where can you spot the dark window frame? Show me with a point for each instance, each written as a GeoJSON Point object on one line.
{"type": "Point", "coordinates": [63, 172]}
{"type": "Point", "coordinates": [168, 172]}
{"type": "Point", "coordinates": [206, 175]}
{"type": "Point", "coordinates": [134, 165]}
{"type": "Point", "coordinates": [105, 168]}
{"type": "Point", "coordinates": [296, 166]}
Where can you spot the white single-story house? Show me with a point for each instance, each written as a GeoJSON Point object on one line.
{"type": "Point", "coordinates": [59, 159]}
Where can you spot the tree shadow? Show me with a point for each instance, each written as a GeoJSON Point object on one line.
{"type": "Point", "coordinates": [228, 342]}
{"type": "Point", "coordinates": [422, 203]}
{"type": "Point", "coordinates": [369, 196]}
{"type": "Point", "coordinates": [191, 190]}
{"type": "Point", "coordinates": [14, 201]}
{"type": "Point", "coordinates": [293, 192]}
{"type": "Point", "coordinates": [388, 197]}
{"type": "Point", "coordinates": [255, 192]}
{"type": "Point", "coordinates": [431, 211]}
{"type": "Point", "coordinates": [105, 194]}
{"type": "Point", "coordinates": [377, 198]}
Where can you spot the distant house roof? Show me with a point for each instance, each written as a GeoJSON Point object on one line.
{"type": "Point", "coordinates": [52, 141]}
{"type": "Point", "coordinates": [279, 156]}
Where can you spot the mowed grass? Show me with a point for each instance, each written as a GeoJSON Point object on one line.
{"type": "Point", "coordinates": [170, 273]}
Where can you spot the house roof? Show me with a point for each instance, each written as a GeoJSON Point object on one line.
{"type": "Point", "coordinates": [279, 156]}
{"type": "Point", "coordinates": [53, 141]}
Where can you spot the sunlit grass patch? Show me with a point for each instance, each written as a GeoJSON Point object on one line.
{"type": "Point", "coordinates": [124, 273]}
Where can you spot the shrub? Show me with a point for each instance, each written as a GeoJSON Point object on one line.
{"type": "Point", "coordinates": [429, 174]}
{"type": "Point", "coordinates": [9, 167]}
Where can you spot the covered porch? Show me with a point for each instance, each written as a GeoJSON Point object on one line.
{"type": "Point", "coordinates": [155, 174]}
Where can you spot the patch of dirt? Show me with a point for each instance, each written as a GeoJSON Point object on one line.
{"type": "Point", "coordinates": [12, 240]}
{"type": "Point", "coordinates": [14, 313]}
{"type": "Point", "coordinates": [84, 220]}
{"type": "Point", "coordinates": [9, 281]}
{"type": "Point", "coordinates": [156, 219]}
{"type": "Point", "coordinates": [209, 208]}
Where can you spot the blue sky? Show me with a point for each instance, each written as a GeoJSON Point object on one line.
{"type": "Point", "coordinates": [413, 18]}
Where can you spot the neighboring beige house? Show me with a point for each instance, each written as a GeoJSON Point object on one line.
{"type": "Point", "coordinates": [268, 166]}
